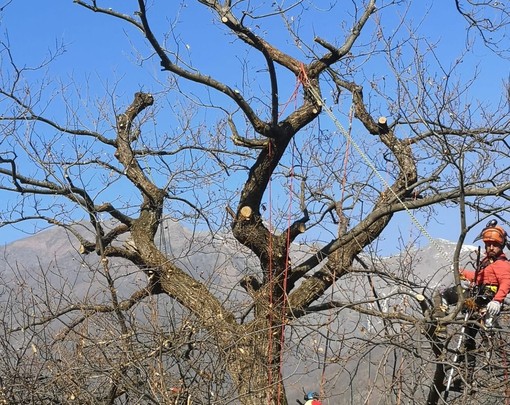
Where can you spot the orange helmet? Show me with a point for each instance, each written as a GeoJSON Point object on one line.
{"type": "Point", "coordinates": [494, 234]}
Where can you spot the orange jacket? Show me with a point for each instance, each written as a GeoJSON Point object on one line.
{"type": "Point", "coordinates": [495, 273]}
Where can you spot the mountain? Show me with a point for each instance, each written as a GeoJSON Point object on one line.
{"type": "Point", "coordinates": [198, 251]}
{"type": "Point", "coordinates": [51, 259]}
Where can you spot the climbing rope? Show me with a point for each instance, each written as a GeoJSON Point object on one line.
{"type": "Point", "coordinates": [303, 79]}
{"type": "Point", "coordinates": [369, 163]}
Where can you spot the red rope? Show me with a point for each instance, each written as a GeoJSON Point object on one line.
{"type": "Point", "coordinates": [287, 259]}
{"type": "Point", "coordinates": [295, 93]}
{"type": "Point", "coordinates": [302, 79]}
{"type": "Point", "coordinates": [302, 76]}
{"type": "Point", "coordinates": [270, 281]}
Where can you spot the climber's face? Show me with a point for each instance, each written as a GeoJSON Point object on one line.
{"type": "Point", "coordinates": [493, 249]}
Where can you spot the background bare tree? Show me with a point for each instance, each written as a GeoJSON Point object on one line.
{"type": "Point", "coordinates": [260, 158]}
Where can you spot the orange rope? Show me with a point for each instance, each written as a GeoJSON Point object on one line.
{"type": "Point", "coordinates": [285, 275]}
{"type": "Point", "coordinates": [270, 281]}
{"type": "Point", "coordinates": [303, 78]}
{"type": "Point", "coordinates": [289, 220]}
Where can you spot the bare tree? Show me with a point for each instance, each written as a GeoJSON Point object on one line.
{"type": "Point", "coordinates": [432, 147]}
{"type": "Point", "coordinates": [487, 21]}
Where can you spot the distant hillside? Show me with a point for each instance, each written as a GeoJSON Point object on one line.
{"type": "Point", "coordinates": [220, 262]}
{"type": "Point", "coordinates": [197, 251]}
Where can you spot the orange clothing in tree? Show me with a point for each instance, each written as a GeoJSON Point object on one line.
{"type": "Point", "coordinates": [492, 273]}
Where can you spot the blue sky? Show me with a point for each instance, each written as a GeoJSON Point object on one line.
{"type": "Point", "coordinates": [99, 52]}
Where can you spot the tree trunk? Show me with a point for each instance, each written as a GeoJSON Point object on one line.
{"type": "Point", "coordinates": [255, 364]}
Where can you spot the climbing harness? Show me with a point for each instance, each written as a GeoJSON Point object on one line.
{"type": "Point", "coordinates": [479, 297]}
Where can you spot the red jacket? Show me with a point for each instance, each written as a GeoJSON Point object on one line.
{"type": "Point", "coordinates": [496, 273]}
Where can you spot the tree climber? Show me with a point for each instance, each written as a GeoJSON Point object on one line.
{"type": "Point", "coordinates": [312, 398]}
{"type": "Point", "coordinates": [485, 289]}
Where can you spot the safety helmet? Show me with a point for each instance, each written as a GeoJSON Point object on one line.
{"type": "Point", "coordinates": [311, 395]}
{"type": "Point", "coordinates": [494, 234]}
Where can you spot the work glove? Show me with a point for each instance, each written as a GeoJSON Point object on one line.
{"type": "Point", "coordinates": [493, 308]}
